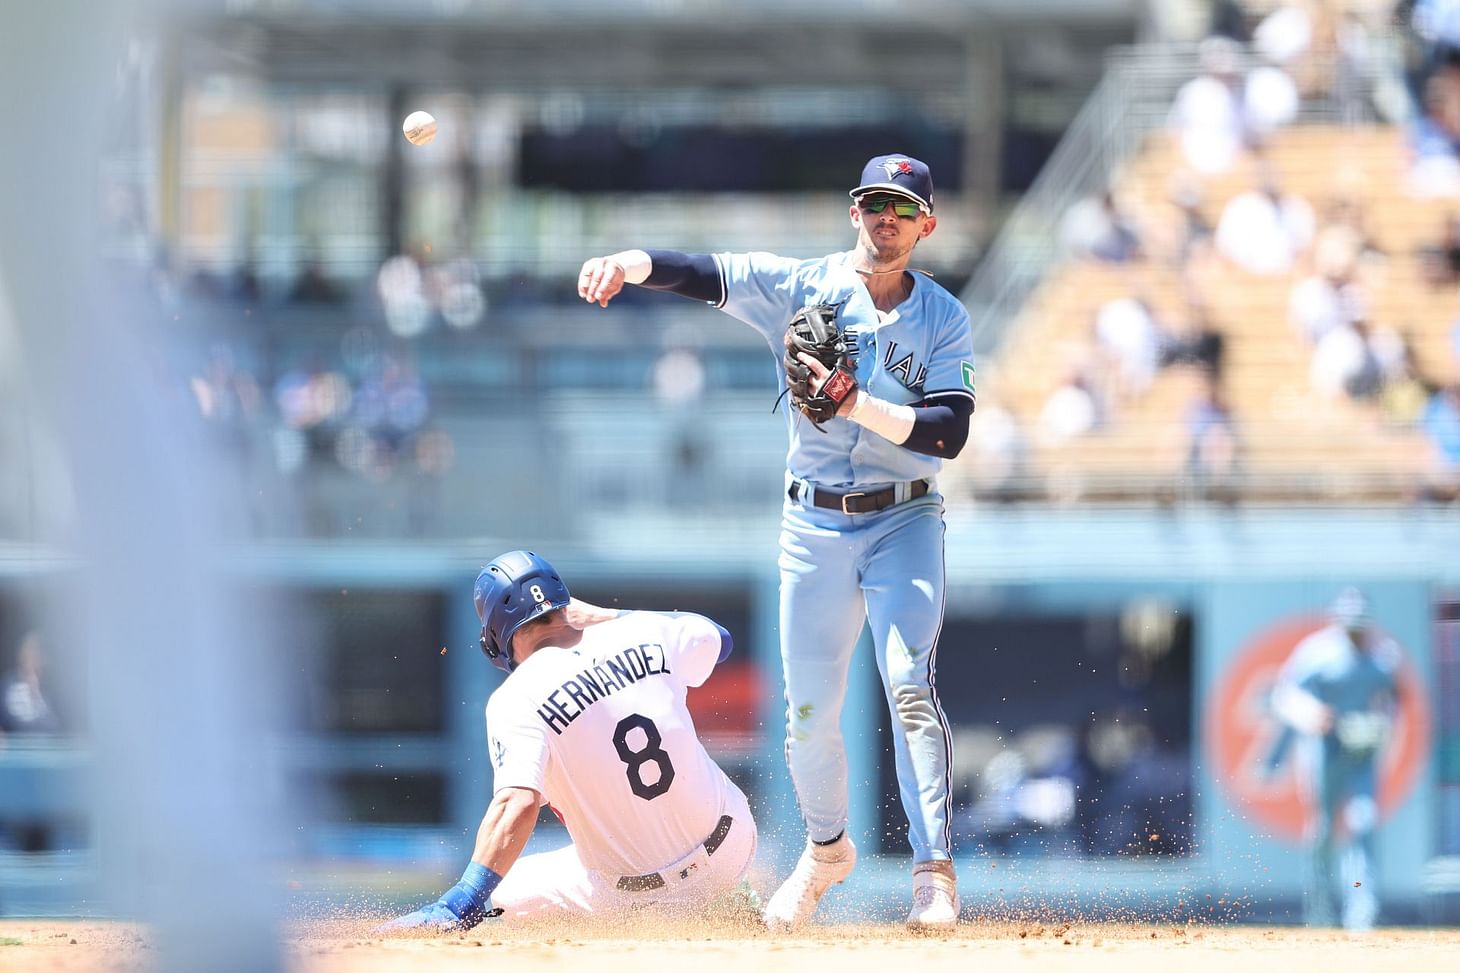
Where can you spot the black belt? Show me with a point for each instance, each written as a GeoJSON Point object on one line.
{"type": "Point", "coordinates": [858, 502]}
{"type": "Point", "coordinates": [654, 880]}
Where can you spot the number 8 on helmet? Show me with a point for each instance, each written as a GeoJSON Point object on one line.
{"type": "Point", "coordinates": [510, 592]}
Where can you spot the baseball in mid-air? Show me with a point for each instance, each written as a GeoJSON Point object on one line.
{"type": "Point", "coordinates": [419, 127]}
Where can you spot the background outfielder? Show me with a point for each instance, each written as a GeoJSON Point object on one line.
{"type": "Point", "coordinates": [1339, 690]}
{"type": "Point", "coordinates": [592, 721]}
{"type": "Point", "coordinates": [862, 528]}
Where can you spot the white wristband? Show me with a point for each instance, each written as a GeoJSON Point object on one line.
{"type": "Point", "coordinates": [892, 422]}
{"type": "Point", "coordinates": [636, 265]}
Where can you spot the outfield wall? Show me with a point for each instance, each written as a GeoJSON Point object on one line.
{"type": "Point", "coordinates": [1191, 593]}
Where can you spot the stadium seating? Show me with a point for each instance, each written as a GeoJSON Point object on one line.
{"type": "Point", "coordinates": [1296, 445]}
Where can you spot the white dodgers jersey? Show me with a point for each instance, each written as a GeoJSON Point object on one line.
{"type": "Point", "coordinates": [602, 733]}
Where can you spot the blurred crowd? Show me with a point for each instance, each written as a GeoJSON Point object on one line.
{"type": "Point", "coordinates": [1228, 214]}
{"type": "Point", "coordinates": [325, 380]}
{"type": "Point", "coordinates": [338, 399]}
{"type": "Point", "coordinates": [354, 409]}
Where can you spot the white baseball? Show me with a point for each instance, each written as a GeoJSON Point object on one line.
{"type": "Point", "coordinates": [419, 127]}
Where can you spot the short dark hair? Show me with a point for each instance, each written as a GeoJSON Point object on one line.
{"type": "Point", "coordinates": [536, 622]}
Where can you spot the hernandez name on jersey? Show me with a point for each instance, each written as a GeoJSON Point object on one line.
{"type": "Point", "coordinates": [566, 703]}
{"type": "Point", "coordinates": [601, 731]}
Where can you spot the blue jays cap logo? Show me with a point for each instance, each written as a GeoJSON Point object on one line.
{"type": "Point", "coordinates": [899, 174]}
{"type": "Point", "coordinates": [895, 167]}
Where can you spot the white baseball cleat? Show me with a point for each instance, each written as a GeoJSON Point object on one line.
{"type": "Point", "coordinates": [935, 897]}
{"type": "Point", "coordinates": [820, 867]}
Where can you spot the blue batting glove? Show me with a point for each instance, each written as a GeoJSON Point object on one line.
{"type": "Point", "coordinates": [462, 906]}
{"type": "Point", "coordinates": [433, 918]}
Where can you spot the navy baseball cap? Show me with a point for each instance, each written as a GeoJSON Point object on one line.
{"type": "Point", "coordinates": [900, 174]}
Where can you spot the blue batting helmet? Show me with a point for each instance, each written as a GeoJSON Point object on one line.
{"type": "Point", "coordinates": [510, 592]}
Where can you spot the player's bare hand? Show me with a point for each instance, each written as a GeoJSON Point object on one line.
{"type": "Point", "coordinates": [819, 373]}
{"type": "Point", "coordinates": [580, 614]}
{"type": "Point", "coordinates": [600, 280]}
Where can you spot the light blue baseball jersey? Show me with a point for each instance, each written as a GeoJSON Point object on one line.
{"type": "Point", "coordinates": [838, 568]}
{"type": "Point", "coordinates": [1329, 668]}
{"type": "Point", "coordinates": [922, 349]}
{"type": "Point", "coordinates": [1327, 665]}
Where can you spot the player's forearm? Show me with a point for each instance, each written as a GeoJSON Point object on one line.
{"type": "Point", "coordinates": [591, 614]}
{"type": "Point", "coordinates": [581, 615]}
{"type": "Point", "coordinates": [692, 275]}
{"type": "Point", "coordinates": [933, 429]}
{"type": "Point", "coordinates": [889, 420]}
{"type": "Point", "coordinates": [505, 829]}
{"type": "Point", "coordinates": [940, 429]}
{"type": "Point", "coordinates": [1300, 709]}
{"type": "Point", "coordinates": [637, 265]}
{"type": "Point", "coordinates": [503, 834]}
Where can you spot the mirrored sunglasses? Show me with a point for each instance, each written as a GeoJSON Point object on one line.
{"type": "Point", "coordinates": [904, 208]}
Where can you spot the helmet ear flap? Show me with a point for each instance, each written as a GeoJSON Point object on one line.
{"type": "Point", "coordinates": [494, 653]}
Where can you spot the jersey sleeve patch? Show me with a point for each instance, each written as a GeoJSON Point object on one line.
{"type": "Point", "coordinates": [517, 748]}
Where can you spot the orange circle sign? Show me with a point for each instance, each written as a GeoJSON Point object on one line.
{"type": "Point", "coordinates": [1242, 734]}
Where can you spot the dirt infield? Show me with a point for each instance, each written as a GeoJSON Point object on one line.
{"type": "Point", "coordinates": [33, 946]}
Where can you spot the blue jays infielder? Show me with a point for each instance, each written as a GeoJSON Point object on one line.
{"type": "Point", "coordinates": [862, 528]}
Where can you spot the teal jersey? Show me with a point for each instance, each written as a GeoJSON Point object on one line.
{"type": "Point", "coordinates": [1332, 670]}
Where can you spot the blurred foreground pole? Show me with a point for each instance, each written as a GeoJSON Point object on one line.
{"type": "Point", "coordinates": [182, 818]}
